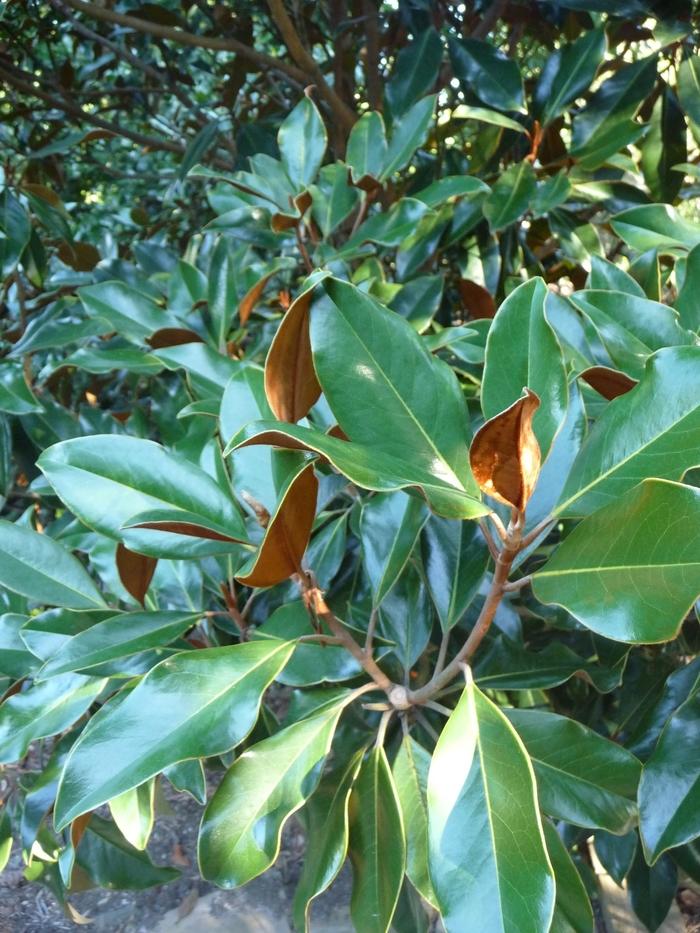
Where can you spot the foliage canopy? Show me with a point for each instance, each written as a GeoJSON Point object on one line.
{"type": "Point", "coordinates": [350, 445]}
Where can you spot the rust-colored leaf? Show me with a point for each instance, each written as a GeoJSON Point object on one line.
{"type": "Point", "coordinates": [83, 257]}
{"type": "Point", "coordinates": [505, 455]}
{"type": "Point", "coordinates": [46, 194]}
{"type": "Point", "coordinates": [337, 431]}
{"type": "Point", "coordinates": [190, 529]}
{"type": "Point", "coordinates": [608, 382]}
{"type": "Point", "coordinates": [252, 296]}
{"type": "Point", "coordinates": [78, 827]}
{"type": "Point", "coordinates": [291, 385]}
{"type": "Point", "coordinates": [302, 202]}
{"type": "Point", "coordinates": [173, 337]}
{"type": "Point", "coordinates": [135, 571]}
{"type": "Point", "coordinates": [477, 301]}
{"type": "Point", "coordinates": [287, 534]}
{"type": "Point", "coordinates": [281, 222]}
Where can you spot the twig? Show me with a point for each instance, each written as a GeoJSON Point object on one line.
{"type": "Point", "coordinates": [486, 532]}
{"type": "Point", "coordinates": [516, 585]}
{"type": "Point", "coordinates": [536, 531]}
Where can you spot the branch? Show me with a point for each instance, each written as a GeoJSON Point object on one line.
{"type": "Point", "coordinates": [260, 59]}
{"type": "Point", "coordinates": [440, 679]}
{"type": "Point", "coordinates": [344, 114]}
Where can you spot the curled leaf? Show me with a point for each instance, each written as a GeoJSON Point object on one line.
{"type": "Point", "coordinates": [252, 296]}
{"type": "Point", "coordinates": [135, 571]}
{"type": "Point", "coordinates": [608, 382]}
{"type": "Point", "coordinates": [287, 533]}
{"type": "Point", "coordinates": [505, 455]}
{"type": "Point", "coordinates": [173, 337]}
{"type": "Point", "coordinates": [291, 385]}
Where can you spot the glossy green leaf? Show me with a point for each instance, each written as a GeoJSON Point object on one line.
{"type": "Point", "coordinates": [406, 617]}
{"type": "Point", "coordinates": [651, 890]}
{"type": "Point", "coordinates": [669, 792]}
{"type": "Point", "coordinates": [42, 710]}
{"type": "Point", "coordinates": [664, 146]}
{"type": "Point", "coordinates": [655, 226]}
{"type": "Point", "coordinates": [484, 115]}
{"type": "Point", "coordinates": [455, 557]}
{"type": "Point", "coordinates": [133, 812]}
{"type": "Point", "coordinates": [311, 663]}
{"type": "Point", "coordinates": [199, 703]}
{"type": "Point", "coordinates": [614, 103]}
{"type": "Point", "coordinates": [16, 398]}
{"type": "Point", "coordinates": [188, 776]}
{"type": "Point", "coordinates": [616, 853]}
{"type": "Point", "coordinates": [508, 665]}
{"type": "Point", "coordinates": [485, 69]}
{"type": "Point", "coordinates": [385, 390]}
{"type": "Point", "coordinates": [631, 328]}
{"type": "Point", "coordinates": [568, 72]}
{"type": "Point", "coordinates": [606, 275]}
{"type": "Point", "coordinates": [582, 777]}
{"type": "Point", "coordinates": [688, 87]}
{"type": "Point", "coordinates": [407, 134]}
{"type": "Point", "coordinates": [415, 71]}
{"type": "Point", "coordinates": [367, 147]}
{"type": "Point", "coordinates": [129, 312]}
{"type": "Point", "coordinates": [410, 772]}
{"type": "Point", "coordinates": [511, 195]}
{"type": "Point", "coordinates": [5, 838]}
{"type": "Point", "coordinates": [333, 197]}
{"type": "Point", "coordinates": [651, 431]}
{"type": "Point", "coordinates": [39, 567]}
{"type": "Point", "coordinates": [389, 527]}
{"type": "Point", "coordinates": [106, 480]}
{"type": "Point", "coordinates": [366, 467]}
{"type": "Point", "coordinates": [572, 908]}
{"type": "Point", "coordinates": [377, 845]}
{"type": "Point", "coordinates": [117, 637]}
{"type": "Point", "coordinates": [687, 303]}
{"type": "Point", "coordinates": [326, 821]}
{"type": "Point", "coordinates": [222, 291]}
{"type": "Point", "coordinates": [112, 862]}
{"type": "Point", "coordinates": [630, 570]}
{"type": "Point", "coordinates": [15, 227]}
{"type": "Point", "coordinates": [208, 371]}
{"type": "Point", "coordinates": [100, 361]}
{"type": "Point", "coordinates": [242, 824]}
{"type": "Point", "coordinates": [302, 140]}
{"type": "Point", "coordinates": [522, 350]}
{"type": "Point", "coordinates": [488, 862]}
{"type": "Point", "coordinates": [390, 227]}
{"type": "Point", "coordinates": [16, 661]}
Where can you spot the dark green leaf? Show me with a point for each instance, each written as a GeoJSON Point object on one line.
{"type": "Point", "coordinates": [377, 845]}
{"type": "Point", "coordinates": [389, 527]}
{"type": "Point", "coordinates": [486, 70]}
{"type": "Point", "coordinates": [582, 777]}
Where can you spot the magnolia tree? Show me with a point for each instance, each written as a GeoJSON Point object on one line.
{"type": "Point", "coordinates": [373, 501]}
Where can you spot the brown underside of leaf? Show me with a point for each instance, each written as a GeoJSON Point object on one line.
{"type": "Point", "coordinates": [608, 382]}
{"type": "Point", "coordinates": [173, 337]}
{"type": "Point", "coordinates": [281, 222]}
{"type": "Point", "coordinates": [291, 385]}
{"type": "Point", "coordinates": [287, 535]}
{"type": "Point", "coordinates": [505, 455]}
{"type": "Point", "coordinates": [251, 298]}
{"type": "Point", "coordinates": [135, 571]}
{"type": "Point", "coordinates": [477, 301]}
{"type": "Point", "coordinates": [189, 529]}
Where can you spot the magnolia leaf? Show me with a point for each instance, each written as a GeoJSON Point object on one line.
{"type": "Point", "coordinates": [198, 704]}
{"type": "Point", "coordinates": [377, 845]}
{"type": "Point", "coordinates": [582, 777]}
{"type": "Point", "coordinates": [488, 861]}
{"type": "Point", "coordinates": [505, 455]}
{"type": "Point", "coordinates": [389, 527]}
{"type": "Point", "coordinates": [38, 567]}
{"type": "Point", "coordinates": [291, 385]}
{"type": "Point", "coordinates": [287, 533]}
{"type": "Point", "coordinates": [669, 792]}
{"type": "Point", "coordinates": [326, 821]}
{"type": "Point", "coordinates": [242, 824]}
{"type": "Point", "coordinates": [651, 431]}
{"type": "Point", "coordinates": [610, 383]}
{"type": "Point", "coordinates": [410, 771]}
{"type": "Point", "coordinates": [135, 571]}
{"type": "Point", "coordinates": [630, 571]}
